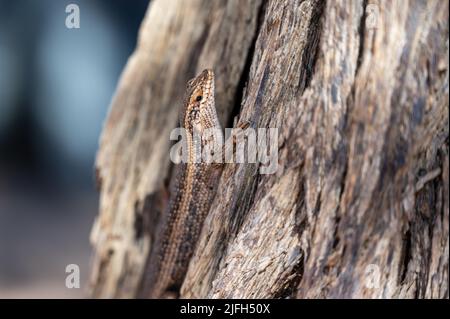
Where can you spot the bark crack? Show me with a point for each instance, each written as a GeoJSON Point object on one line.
{"type": "Point", "coordinates": [245, 74]}
{"type": "Point", "coordinates": [311, 49]}
{"type": "Point", "coordinates": [406, 255]}
{"type": "Point", "coordinates": [294, 279]}
{"type": "Point", "coordinates": [362, 31]}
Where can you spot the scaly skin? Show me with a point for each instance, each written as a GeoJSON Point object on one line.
{"type": "Point", "coordinates": [192, 195]}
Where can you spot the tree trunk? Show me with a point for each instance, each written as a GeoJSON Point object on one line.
{"type": "Point", "coordinates": [358, 206]}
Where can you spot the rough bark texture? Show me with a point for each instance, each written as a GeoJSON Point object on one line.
{"type": "Point", "coordinates": [359, 204]}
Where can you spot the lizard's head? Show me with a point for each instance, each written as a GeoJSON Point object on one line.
{"type": "Point", "coordinates": [199, 109]}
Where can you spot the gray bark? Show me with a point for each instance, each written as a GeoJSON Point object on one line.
{"type": "Point", "coordinates": [358, 207]}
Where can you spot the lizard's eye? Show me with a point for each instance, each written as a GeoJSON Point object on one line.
{"type": "Point", "coordinates": [198, 98]}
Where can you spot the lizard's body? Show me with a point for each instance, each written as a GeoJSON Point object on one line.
{"type": "Point", "coordinates": [191, 195]}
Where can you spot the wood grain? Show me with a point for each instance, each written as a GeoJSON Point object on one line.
{"type": "Point", "coordinates": [359, 93]}
{"type": "Point", "coordinates": [133, 167]}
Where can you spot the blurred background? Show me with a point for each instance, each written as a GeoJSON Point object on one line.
{"type": "Point", "coordinates": [55, 87]}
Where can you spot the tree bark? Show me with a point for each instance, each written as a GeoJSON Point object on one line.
{"type": "Point", "coordinates": [358, 206]}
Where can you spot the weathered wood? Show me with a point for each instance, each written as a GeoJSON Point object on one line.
{"type": "Point", "coordinates": [176, 40]}
{"type": "Point", "coordinates": [358, 207]}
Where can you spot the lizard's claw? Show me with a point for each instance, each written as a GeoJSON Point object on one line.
{"type": "Point", "coordinates": [243, 124]}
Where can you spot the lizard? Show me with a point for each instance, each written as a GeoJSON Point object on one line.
{"type": "Point", "coordinates": [191, 194]}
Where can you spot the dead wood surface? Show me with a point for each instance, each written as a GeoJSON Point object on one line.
{"type": "Point", "coordinates": [359, 204]}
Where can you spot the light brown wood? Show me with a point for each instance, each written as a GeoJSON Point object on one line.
{"type": "Point", "coordinates": [358, 207]}
{"type": "Point", "coordinates": [176, 40]}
